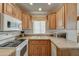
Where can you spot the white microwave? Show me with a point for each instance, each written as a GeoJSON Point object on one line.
{"type": "Point", "coordinates": [8, 23]}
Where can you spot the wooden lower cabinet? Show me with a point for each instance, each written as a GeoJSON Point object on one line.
{"type": "Point", "coordinates": [67, 52]}
{"type": "Point", "coordinates": [47, 48]}
{"type": "Point", "coordinates": [39, 48]}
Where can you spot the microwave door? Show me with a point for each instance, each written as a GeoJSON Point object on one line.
{"type": "Point", "coordinates": [8, 24]}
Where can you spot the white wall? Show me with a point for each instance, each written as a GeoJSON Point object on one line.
{"type": "Point", "coordinates": [10, 35]}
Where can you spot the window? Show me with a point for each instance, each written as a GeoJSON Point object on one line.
{"type": "Point", "coordinates": [39, 27]}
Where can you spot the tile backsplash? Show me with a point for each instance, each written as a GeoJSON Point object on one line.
{"type": "Point", "coordinates": [10, 32]}
{"type": "Point", "coordinates": [29, 31]}
{"type": "Point", "coordinates": [4, 39]}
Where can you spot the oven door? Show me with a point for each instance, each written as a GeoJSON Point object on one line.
{"type": "Point", "coordinates": [21, 49]}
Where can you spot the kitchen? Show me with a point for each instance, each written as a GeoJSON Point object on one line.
{"type": "Point", "coordinates": [39, 29]}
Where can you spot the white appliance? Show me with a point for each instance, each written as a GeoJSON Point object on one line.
{"type": "Point", "coordinates": [22, 48]}
{"type": "Point", "coordinates": [19, 46]}
{"type": "Point", "coordinates": [8, 23]}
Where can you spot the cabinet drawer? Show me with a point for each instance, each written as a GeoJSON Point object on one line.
{"type": "Point", "coordinates": [39, 41]}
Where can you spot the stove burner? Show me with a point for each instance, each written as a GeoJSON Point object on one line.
{"type": "Point", "coordinates": [13, 43]}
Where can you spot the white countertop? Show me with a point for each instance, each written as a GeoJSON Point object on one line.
{"type": "Point", "coordinates": [63, 43]}
{"type": "Point", "coordinates": [59, 42]}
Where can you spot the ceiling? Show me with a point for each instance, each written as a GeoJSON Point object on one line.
{"type": "Point", "coordinates": [33, 9]}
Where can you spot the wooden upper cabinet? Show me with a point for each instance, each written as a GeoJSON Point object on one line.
{"type": "Point", "coordinates": [60, 20]}
{"type": "Point", "coordinates": [71, 16]}
{"type": "Point", "coordinates": [1, 9]}
{"type": "Point", "coordinates": [14, 11]}
{"type": "Point", "coordinates": [29, 22]}
{"type": "Point", "coordinates": [26, 21]}
{"type": "Point", "coordinates": [23, 20]}
{"type": "Point", "coordinates": [52, 21]}
{"type": "Point", "coordinates": [8, 9]}
{"type": "Point", "coordinates": [11, 10]}
{"type": "Point", "coordinates": [19, 14]}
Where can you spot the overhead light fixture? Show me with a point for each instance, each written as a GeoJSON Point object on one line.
{"type": "Point", "coordinates": [49, 3]}
{"type": "Point", "coordinates": [40, 9]}
{"type": "Point", "coordinates": [31, 3]}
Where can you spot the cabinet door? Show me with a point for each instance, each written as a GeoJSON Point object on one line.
{"type": "Point", "coordinates": [14, 11]}
{"type": "Point", "coordinates": [46, 50]}
{"type": "Point", "coordinates": [52, 21]}
{"type": "Point", "coordinates": [33, 50]}
{"type": "Point", "coordinates": [37, 48]}
{"type": "Point", "coordinates": [26, 21]}
{"type": "Point", "coordinates": [67, 52]}
{"type": "Point", "coordinates": [1, 7]}
{"type": "Point", "coordinates": [60, 23]}
{"type": "Point", "coordinates": [71, 16]}
{"type": "Point", "coordinates": [49, 17]}
{"type": "Point", "coordinates": [8, 9]}
{"type": "Point", "coordinates": [29, 22]}
{"type": "Point", "coordinates": [23, 22]}
{"type": "Point", "coordinates": [19, 14]}
{"type": "Point", "coordinates": [63, 52]}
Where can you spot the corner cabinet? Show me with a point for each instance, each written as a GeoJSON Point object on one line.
{"type": "Point", "coordinates": [52, 21]}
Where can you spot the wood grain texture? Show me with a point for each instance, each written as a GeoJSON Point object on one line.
{"type": "Point", "coordinates": [26, 21]}
{"type": "Point", "coordinates": [18, 13]}
{"type": "Point", "coordinates": [68, 52]}
{"type": "Point", "coordinates": [71, 16]}
{"type": "Point", "coordinates": [8, 9]}
{"type": "Point", "coordinates": [52, 21]}
{"type": "Point", "coordinates": [39, 48]}
{"type": "Point", "coordinates": [60, 18]}
{"type": "Point", "coordinates": [1, 5]}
